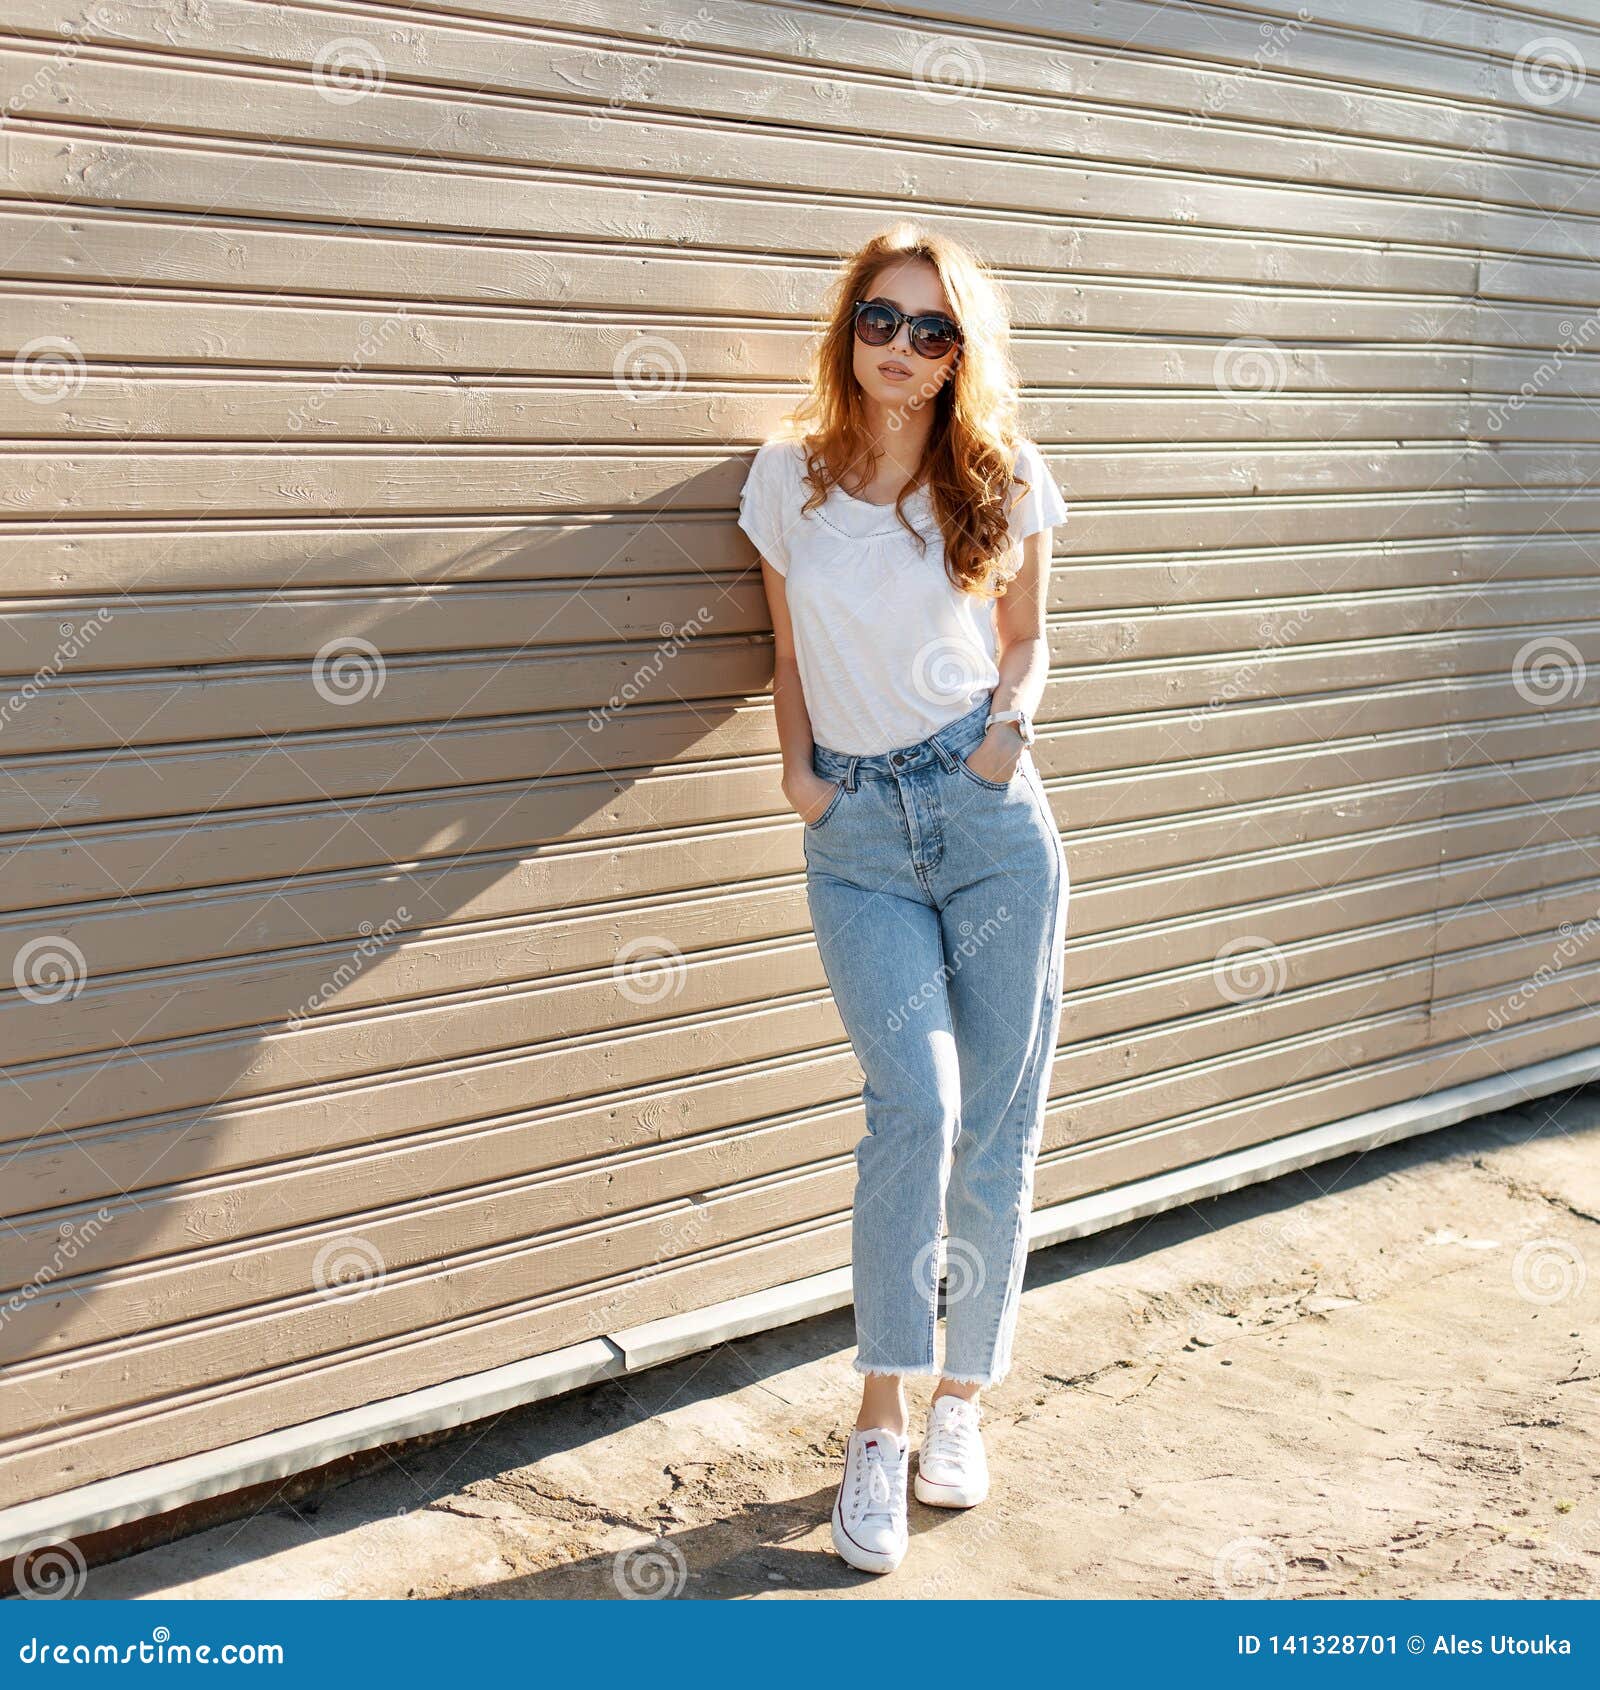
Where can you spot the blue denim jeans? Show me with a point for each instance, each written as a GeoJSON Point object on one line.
{"type": "Point", "coordinates": [939, 902]}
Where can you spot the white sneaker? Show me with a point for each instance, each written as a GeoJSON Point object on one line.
{"type": "Point", "coordinates": [869, 1513]}
{"type": "Point", "coordinates": [952, 1470]}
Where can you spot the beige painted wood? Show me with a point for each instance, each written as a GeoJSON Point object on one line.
{"type": "Point", "coordinates": [501, 409]}
{"type": "Point", "coordinates": [1471, 75]}
{"type": "Point", "coordinates": [323, 994]}
{"type": "Point", "coordinates": [439, 269]}
{"type": "Point", "coordinates": [478, 343]}
{"type": "Point", "coordinates": [1317, 1033]}
{"type": "Point", "coordinates": [181, 1000]}
{"type": "Point", "coordinates": [484, 127]}
{"type": "Point", "coordinates": [482, 1214]}
{"type": "Point", "coordinates": [95, 862]}
{"type": "Point", "coordinates": [482, 337]}
{"type": "Point", "coordinates": [366, 1371]}
{"type": "Point", "coordinates": [1167, 535]}
{"type": "Point", "coordinates": [346, 908]}
{"type": "Point", "coordinates": [1360, 972]}
{"type": "Point", "coordinates": [1303, 337]}
{"type": "Point", "coordinates": [1183, 776]}
{"type": "Point", "coordinates": [1072, 1152]}
{"type": "Point", "coordinates": [91, 171]}
{"type": "Point", "coordinates": [478, 744]}
{"type": "Point", "coordinates": [93, 480]}
{"type": "Point", "coordinates": [35, 1465]}
{"type": "Point", "coordinates": [1269, 848]}
{"type": "Point", "coordinates": [1173, 971]}
{"type": "Point", "coordinates": [269, 646]}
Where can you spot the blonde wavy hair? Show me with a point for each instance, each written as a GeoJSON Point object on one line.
{"type": "Point", "coordinates": [971, 451]}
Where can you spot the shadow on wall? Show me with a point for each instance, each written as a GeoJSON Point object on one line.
{"type": "Point", "coordinates": [383, 1003]}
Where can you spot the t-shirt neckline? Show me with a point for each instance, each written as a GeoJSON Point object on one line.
{"type": "Point", "coordinates": [865, 519]}
{"type": "Point", "coordinates": [917, 492]}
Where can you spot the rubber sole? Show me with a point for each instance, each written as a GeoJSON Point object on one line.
{"type": "Point", "coordinates": [946, 1496]}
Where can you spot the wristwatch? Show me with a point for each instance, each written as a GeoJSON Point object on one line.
{"type": "Point", "coordinates": [1020, 717]}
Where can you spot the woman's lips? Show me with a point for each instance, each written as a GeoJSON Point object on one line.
{"type": "Point", "coordinates": [894, 372]}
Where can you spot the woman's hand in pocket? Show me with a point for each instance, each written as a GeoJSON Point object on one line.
{"type": "Point", "coordinates": [995, 757]}
{"type": "Point", "coordinates": [809, 794]}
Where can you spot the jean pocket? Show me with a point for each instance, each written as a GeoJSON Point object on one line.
{"type": "Point", "coordinates": [983, 780]}
{"type": "Point", "coordinates": [827, 810]}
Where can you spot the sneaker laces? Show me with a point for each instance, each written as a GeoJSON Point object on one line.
{"type": "Point", "coordinates": [949, 1433]}
{"type": "Point", "coordinates": [880, 1492]}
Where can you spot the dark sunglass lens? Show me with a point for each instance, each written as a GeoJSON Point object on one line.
{"type": "Point", "coordinates": [875, 325]}
{"type": "Point", "coordinates": [934, 340]}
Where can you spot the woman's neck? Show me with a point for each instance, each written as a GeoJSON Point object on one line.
{"type": "Point", "coordinates": [899, 436]}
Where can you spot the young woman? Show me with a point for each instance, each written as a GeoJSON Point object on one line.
{"type": "Point", "coordinates": [905, 547]}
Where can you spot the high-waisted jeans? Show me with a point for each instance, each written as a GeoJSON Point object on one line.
{"type": "Point", "coordinates": [939, 902]}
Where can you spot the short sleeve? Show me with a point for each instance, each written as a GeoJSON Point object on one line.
{"type": "Point", "coordinates": [764, 512]}
{"type": "Point", "coordinates": [1042, 506]}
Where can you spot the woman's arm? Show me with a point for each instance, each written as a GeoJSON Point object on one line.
{"type": "Point", "coordinates": [803, 788]}
{"type": "Point", "coordinates": [1024, 657]}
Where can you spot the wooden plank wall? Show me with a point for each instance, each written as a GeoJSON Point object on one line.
{"type": "Point", "coordinates": [409, 965]}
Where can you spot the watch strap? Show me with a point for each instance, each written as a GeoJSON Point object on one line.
{"type": "Point", "coordinates": [1020, 717]}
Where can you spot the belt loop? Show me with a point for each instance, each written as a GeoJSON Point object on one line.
{"type": "Point", "coordinates": [850, 775]}
{"type": "Point", "coordinates": [943, 753]}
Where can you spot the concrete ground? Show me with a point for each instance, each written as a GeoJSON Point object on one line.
{"type": "Point", "coordinates": [1375, 1378]}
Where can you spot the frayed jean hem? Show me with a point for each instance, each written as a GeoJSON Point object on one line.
{"type": "Point", "coordinates": [922, 1370]}
{"type": "Point", "coordinates": [969, 1378]}
{"type": "Point", "coordinates": [915, 1370]}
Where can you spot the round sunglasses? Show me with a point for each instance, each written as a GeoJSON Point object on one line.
{"type": "Point", "coordinates": [932, 334]}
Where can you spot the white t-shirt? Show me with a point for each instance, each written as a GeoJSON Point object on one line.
{"type": "Point", "coordinates": [889, 650]}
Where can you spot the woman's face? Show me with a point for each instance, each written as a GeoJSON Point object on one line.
{"type": "Point", "coordinates": [895, 376]}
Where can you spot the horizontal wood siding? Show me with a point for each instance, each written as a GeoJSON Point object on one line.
{"type": "Point", "coordinates": [408, 958]}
